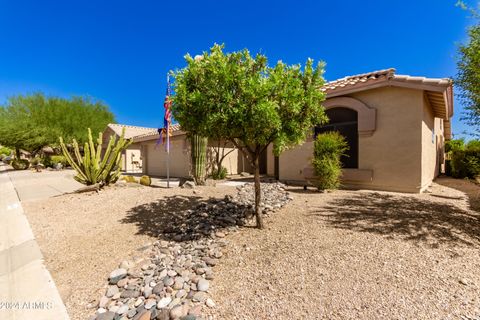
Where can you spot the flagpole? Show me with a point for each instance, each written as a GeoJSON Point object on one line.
{"type": "Point", "coordinates": [168, 144]}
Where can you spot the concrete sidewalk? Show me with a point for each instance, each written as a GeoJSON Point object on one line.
{"type": "Point", "coordinates": [27, 290]}
{"type": "Point", "coordinates": [32, 185]}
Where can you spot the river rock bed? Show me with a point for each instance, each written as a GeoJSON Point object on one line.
{"type": "Point", "coordinates": [172, 278]}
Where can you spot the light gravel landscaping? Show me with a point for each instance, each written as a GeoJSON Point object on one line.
{"type": "Point", "coordinates": [339, 255]}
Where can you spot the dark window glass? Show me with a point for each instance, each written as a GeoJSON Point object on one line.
{"type": "Point", "coordinates": [345, 121]}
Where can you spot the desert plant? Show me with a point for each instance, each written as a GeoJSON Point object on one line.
{"type": "Point", "coordinates": [236, 97]}
{"type": "Point", "coordinates": [198, 155]}
{"type": "Point", "coordinates": [328, 149]}
{"type": "Point", "coordinates": [145, 180]}
{"type": "Point", "coordinates": [92, 168]}
{"type": "Point", "coordinates": [20, 164]}
{"type": "Point", "coordinates": [219, 174]}
{"type": "Point", "coordinates": [465, 163]}
{"type": "Point", "coordinates": [59, 159]}
{"type": "Point", "coordinates": [35, 161]}
{"type": "Point", "coordinates": [5, 151]}
{"type": "Point", "coordinates": [130, 179]}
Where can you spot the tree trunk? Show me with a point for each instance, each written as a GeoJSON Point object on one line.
{"type": "Point", "coordinates": [258, 214]}
{"type": "Point", "coordinates": [17, 153]}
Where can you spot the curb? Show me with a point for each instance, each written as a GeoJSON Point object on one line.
{"type": "Point", "coordinates": [27, 290]}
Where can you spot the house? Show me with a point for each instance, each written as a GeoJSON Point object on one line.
{"type": "Point", "coordinates": [132, 157]}
{"type": "Point", "coordinates": [395, 125]}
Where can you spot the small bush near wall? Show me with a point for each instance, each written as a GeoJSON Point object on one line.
{"type": "Point", "coordinates": [328, 148]}
{"type": "Point", "coordinates": [219, 174]}
{"type": "Point", "coordinates": [465, 163]}
{"type": "Point", "coordinates": [464, 158]}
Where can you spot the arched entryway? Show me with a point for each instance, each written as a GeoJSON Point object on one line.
{"type": "Point", "coordinates": [344, 121]}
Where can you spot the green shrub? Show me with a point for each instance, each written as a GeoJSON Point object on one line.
{"type": "Point", "coordinates": [219, 174]}
{"type": "Point", "coordinates": [20, 164]}
{"type": "Point", "coordinates": [129, 179]}
{"type": "Point", "coordinates": [59, 159]}
{"type": "Point", "coordinates": [35, 161]}
{"type": "Point", "coordinates": [47, 161]}
{"type": "Point", "coordinates": [145, 180]}
{"type": "Point", "coordinates": [465, 163]}
{"type": "Point", "coordinates": [328, 148]}
{"type": "Point", "coordinates": [5, 151]}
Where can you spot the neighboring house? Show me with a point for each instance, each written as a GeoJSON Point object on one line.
{"type": "Point", "coordinates": [155, 156]}
{"type": "Point", "coordinates": [395, 125]}
{"type": "Point", "coordinates": [132, 161]}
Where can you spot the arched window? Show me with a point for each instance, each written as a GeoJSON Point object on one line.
{"type": "Point", "coordinates": [345, 121]}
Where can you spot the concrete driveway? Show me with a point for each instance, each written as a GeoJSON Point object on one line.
{"type": "Point", "coordinates": [32, 185]}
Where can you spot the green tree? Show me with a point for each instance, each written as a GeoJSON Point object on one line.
{"type": "Point", "coordinates": [468, 71]}
{"type": "Point", "coordinates": [239, 98]}
{"type": "Point", "coordinates": [32, 122]}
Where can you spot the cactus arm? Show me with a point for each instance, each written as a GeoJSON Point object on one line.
{"type": "Point", "coordinates": [70, 160]}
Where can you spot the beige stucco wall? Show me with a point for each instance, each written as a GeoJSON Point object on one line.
{"type": "Point", "coordinates": [393, 152]}
{"type": "Point", "coordinates": [432, 145]}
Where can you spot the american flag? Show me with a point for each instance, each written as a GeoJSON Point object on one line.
{"type": "Point", "coordinates": [167, 118]}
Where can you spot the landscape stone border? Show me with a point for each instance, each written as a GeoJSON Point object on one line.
{"type": "Point", "coordinates": [172, 278]}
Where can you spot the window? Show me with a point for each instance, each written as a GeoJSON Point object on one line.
{"type": "Point", "coordinates": [345, 121]}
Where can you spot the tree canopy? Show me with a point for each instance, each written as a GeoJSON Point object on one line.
{"type": "Point", "coordinates": [32, 122]}
{"type": "Point", "coordinates": [468, 71]}
{"type": "Point", "coordinates": [239, 98]}
{"type": "Point", "coordinates": [468, 76]}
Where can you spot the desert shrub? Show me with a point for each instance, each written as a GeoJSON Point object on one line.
{"type": "Point", "coordinates": [145, 180]}
{"type": "Point", "coordinates": [328, 148]}
{"type": "Point", "coordinates": [59, 159]}
{"type": "Point", "coordinates": [219, 174]}
{"type": "Point", "coordinates": [47, 161]}
{"type": "Point", "coordinates": [20, 164]}
{"type": "Point", "coordinates": [5, 151]}
{"type": "Point", "coordinates": [465, 163]}
{"type": "Point", "coordinates": [129, 179]}
{"type": "Point", "coordinates": [35, 161]}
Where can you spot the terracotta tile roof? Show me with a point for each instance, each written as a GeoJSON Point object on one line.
{"type": "Point", "coordinates": [175, 128]}
{"type": "Point", "coordinates": [371, 79]}
{"type": "Point", "coordinates": [130, 131]}
{"type": "Point", "coordinates": [358, 79]}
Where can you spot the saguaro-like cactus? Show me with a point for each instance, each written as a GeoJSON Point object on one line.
{"type": "Point", "coordinates": [93, 168]}
{"type": "Point", "coordinates": [199, 155]}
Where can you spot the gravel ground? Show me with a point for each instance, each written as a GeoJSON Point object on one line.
{"type": "Point", "coordinates": [356, 255]}
{"type": "Point", "coordinates": [83, 237]}
{"type": "Point", "coordinates": [339, 255]}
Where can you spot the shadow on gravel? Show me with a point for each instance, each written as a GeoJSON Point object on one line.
{"type": "Point", "coordinates": [404, 217]}
{"type": "Point", "coordinates": [185, 218]}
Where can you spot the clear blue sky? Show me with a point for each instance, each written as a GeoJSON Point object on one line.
{"type": "Point", "coordinates": [120, 51]}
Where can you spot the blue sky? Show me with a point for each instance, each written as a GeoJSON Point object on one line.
{"type": "Point", "coordinates": [120, 51]}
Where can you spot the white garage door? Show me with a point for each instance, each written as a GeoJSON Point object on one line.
{"type": "Point", "coordinates": [179, 159]}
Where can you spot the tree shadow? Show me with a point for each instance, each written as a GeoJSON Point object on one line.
{"type": "Point", "coordinates": [408, 218]}
{"type": "Point", "coordinates": [185, 218]}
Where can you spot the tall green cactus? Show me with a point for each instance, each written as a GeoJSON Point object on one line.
{"type": "Point", "coordinates": [92, 167]}
{"type": "Point", "coordinates": [199, 155]}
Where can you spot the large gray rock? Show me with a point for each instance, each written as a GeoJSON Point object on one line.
{"type": "Point", "coordinates": [117, 275]}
